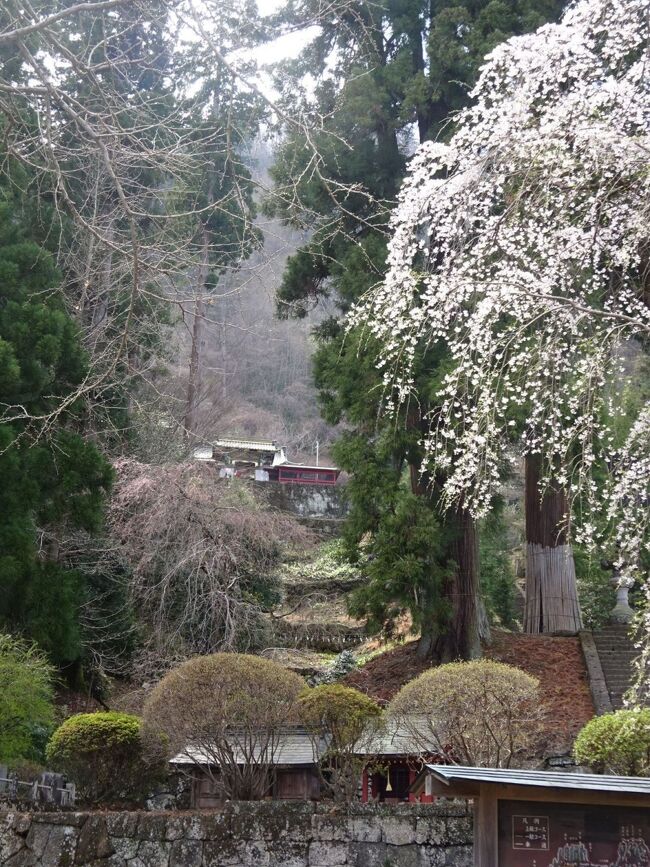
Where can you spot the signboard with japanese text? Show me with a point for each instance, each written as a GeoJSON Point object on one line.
{"type": "Point", "coordinates": [572, 835]}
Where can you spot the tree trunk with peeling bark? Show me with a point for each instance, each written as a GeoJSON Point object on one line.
{"type": "Point", "coordinates": [551, 590]}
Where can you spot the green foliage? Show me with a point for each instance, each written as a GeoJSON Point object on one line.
{"type": "Point", "coordinates": [379, 71]}
{"type": "Point", "coordinates": [597, 596]}
{"type": "Point", "coordinates": [482, 713]}
{"type": "Point", "coordinates": [345, 719]}
{"type": "Point", "coordinates": [227, 689]}
{"type": "Point", "coordinates": [227, 705]}
{"type": "Point", "coordinates": [329, 565]}
{"type": "Point", "coordinates": [616, 743]}
{"type": "Point", "coordinates": [340, 711]}
{"type": "Point", "coordinates": [51, 478]}
{"type": "Point", "coordinates": [406, 565]}
{"type": "Point", "coordinates": [103, 754]}
{"type": "Point", "coordinates": [26, 699]}
{"type": "Point", "coordinates": [344, 663]}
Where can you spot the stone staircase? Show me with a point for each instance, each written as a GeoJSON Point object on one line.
{"type": "Point", "coordinates": [617, 654]}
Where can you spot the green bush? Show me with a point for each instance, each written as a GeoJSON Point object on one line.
{"type": "Point", "coordinates": [616, 743]}
{"type": "Point", "coordinates": [340, 710]}
{"type": "Point", "coordinates": [103, 754]}
{"type": "Point", "coordinates": [26, 699]}
{"type": "Point", "coordinates": [345, 719]}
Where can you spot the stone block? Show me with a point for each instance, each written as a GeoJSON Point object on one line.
{"type": "Point", "coordinates": [287, 853]}
{"type": "Point", "coordinates": [327, 854]}
{"type": "Point", "coordinates": [60, 847]}
{"type": "Point", "coordinates": [330, 827]}
{"type": "Point", "coordinates": [125, 847]}
{"type": "Point", "coordinates": [453, 856]}
{"type": "Point", "coordinates": [93, 842]}
{"type": "Point", "coordinates": [194, 827]}
{"type": "Point", "coordinates": [74, 820]}
{"type": "Point", "coordinates": [153, 853]}
{"type": "Point", "coordinates": [431, 830]}
{"type": "Point", "coordinates": [186, 853]}
{"type": "Point", "coordinates": [368, 854]}
{"type": "Point", "coordinates": [151, 826]}
{"type": "Point", "coordinates": [256, 854]}
{"type": "Point", "coordinates": [459, 856]}
{"type": "Point", "coordinates": [121, 824]}
{"type": "Point", "coordinates": [175, 828]}
{"type": "Point", "coordinates": [10, 844]}
{"type": "Point", "coordinates": [398, 831]}
{"type": "Point", "coordinates": [111, 861]}
{"type": "Point", "coordinates": [364, 829]}
{"type": "Point", "coordinates": [19, 822]}
{"type": "Point", "coordinates": [222, 854]}
{"type": "Point", "coordinates": [297, 824]}
{"type": "Point", "coordinates": [37, 838]}
{"type": "Point", "coordinates": [24, 858]}
{"type": "Point", "coordinates": [459, 831]}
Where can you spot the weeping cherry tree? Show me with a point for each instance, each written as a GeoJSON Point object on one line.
{"type": "Point", "coordinates": [523, 246]}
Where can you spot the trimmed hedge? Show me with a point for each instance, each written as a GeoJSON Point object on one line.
{"type": "Point", "coordinates": [103, 754]}
{"type": "Point", "coordinates": [616, 743]}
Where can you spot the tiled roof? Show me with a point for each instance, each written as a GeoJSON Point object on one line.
{"type": "Point", "coordinates": [290, 748]}
{"type": "Point", "coordinates": [253, 445]}
{"type": "Point", "coordinates": [397, 738]}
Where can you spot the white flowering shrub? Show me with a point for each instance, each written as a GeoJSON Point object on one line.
{"type": "Point", "coordinates": [524, 245]}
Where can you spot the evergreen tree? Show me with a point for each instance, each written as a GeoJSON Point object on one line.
{"type": "Point", "coordinates": [381, 70]}
{"type": "Point", "coordinates": [53, 480]}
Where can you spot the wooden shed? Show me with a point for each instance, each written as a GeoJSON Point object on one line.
{"type": "Point", "coordinates": [294, 775]}
{"type": "Point", "coordinates": [532, 818]}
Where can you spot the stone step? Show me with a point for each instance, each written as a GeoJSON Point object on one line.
{"type": "Point", "coordinates": [621, 672]}
{"type": "Point", "coordinates": [617, 654]}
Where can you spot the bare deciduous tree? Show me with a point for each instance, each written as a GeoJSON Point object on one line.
{"type": "Point", "coordinates": [202, 551]}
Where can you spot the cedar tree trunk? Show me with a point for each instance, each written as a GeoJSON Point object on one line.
{"type": "Point", "coordinates": [551, 592]}
{"type": "Point", "coordinates": [461, 637]}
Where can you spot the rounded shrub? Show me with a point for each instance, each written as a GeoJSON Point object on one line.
{"type": "Point", "coordinates": [616, 743]}
{"type": "Point", "coordinates": [343, 713]}
{"type": "Point", "coordinates": [103, 754]}
{"type": "Point", "coordinates": [480, 713]}
{"type": "Point", "coordinates": [347, 721]}
{"type": "Point", "coordinates": [226, 706]}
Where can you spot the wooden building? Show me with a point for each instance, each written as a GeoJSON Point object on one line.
{"type": "Point", "coordinates": [303, 474]}
{"type": "Point", "coordinates": [264, 461]}
{"type": "Point", "coordinates": [531, 818]}
{"type": "Point", "coordinates": [241, 453]}
{"type": "Point", "coordinates": [294, 775]}
{"type": "Point", "coordinates": [395, 760]}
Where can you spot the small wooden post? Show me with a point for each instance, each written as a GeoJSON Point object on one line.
{"type": "Point", "coordinates": [486, 828]}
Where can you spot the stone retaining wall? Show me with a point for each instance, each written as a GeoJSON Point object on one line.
{"type": "Point", "coordinates": [305, 501]}
{"type": "Point", "coordinates": [267, 834]}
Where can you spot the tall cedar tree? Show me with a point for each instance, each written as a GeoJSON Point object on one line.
{"type": "Point", "coordinates": [53, 481]}
{"type": "Point", "coordinates": [383, 70]}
